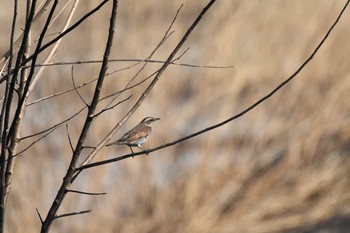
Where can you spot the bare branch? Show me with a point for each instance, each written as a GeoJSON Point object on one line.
{"type": "Point", "coordinates": [138, 61]}
{"type": "Point", "coordinates": [132, 60]}
{"type": "Point", "coordinates": [85, 193]}
{"type": "Point", "coordinates": [72, 214]}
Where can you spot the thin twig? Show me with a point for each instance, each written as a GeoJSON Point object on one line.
{"type": "Point", "coordinates": [174, 19]}
{"type": "Point", "coordinates": [130, 87]}
{"type": "Point", "coordinates": [61, 93]}
{"type": "Point", "coordinates": [93, 80]}
{"type": "Point", "coordinates": [75, 87]}
{"type": "Point", "coordinates": [36, 141]}
{"type": "Point", "coordinates": [86, 166]}
{"type": "Point", "coordinates": [61, 11]}
{"type": "Point", "coordinates": [54, 126]}
{"type": "Point", "coordinates": [72, 214]}
{"type": "Point", "coordinates": [133, 60]}
{"type": "Point", "coordinates": [41, 219]}
{"type": "Point", "coordinates": [122, 69]}
{"type": "Point", "coordinates": [53, 20]}
{"type": "Point", "coordinates": [113, 106]}
{"type": "Point", "coordinates": [89, 147]}
{"type": "Point", "coordinates": [4, 66]}
{"type": "Point", "coordinates": [69, 140]}
{"type": "Point", "coordinates": [85, 193]}
{"type": "Point", "coordinates": [181, 55]}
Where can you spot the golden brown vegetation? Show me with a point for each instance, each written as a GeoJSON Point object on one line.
{"type": "Point", "coordinates": [282, 167]}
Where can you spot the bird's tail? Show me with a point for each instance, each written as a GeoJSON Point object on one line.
{"type": "Point", "coordinates": [114, 143]}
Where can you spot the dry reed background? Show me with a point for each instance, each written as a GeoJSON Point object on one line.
{"type": "Point", "coordinates": [284, 167]}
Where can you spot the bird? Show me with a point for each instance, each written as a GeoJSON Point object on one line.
{"type": "Point", "coordinates": [137, 135]}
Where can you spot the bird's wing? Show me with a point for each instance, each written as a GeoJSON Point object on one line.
{"type": "Point", "coordinates": [133, 135]}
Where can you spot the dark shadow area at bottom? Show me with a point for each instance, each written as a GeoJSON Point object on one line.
{"type": "Point", "coordinates": [340, 224]}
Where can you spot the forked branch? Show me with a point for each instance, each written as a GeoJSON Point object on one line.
{"type": "Point", "coordinates": [72, 214]}
{"type": "Point", "coordinates": [245, 111]}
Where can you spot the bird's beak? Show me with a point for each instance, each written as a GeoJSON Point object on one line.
{"type": "Point", "coordinates": [156, 119]}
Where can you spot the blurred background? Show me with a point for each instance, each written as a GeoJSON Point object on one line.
{"type": "Point", "coordinates": [283, 167]}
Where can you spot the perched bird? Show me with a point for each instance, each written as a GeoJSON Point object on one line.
{"type": "Point", "coordinates": [138, 135]}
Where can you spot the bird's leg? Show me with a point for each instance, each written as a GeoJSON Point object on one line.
{"type": "Point", "coordinates": [132, 152]}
